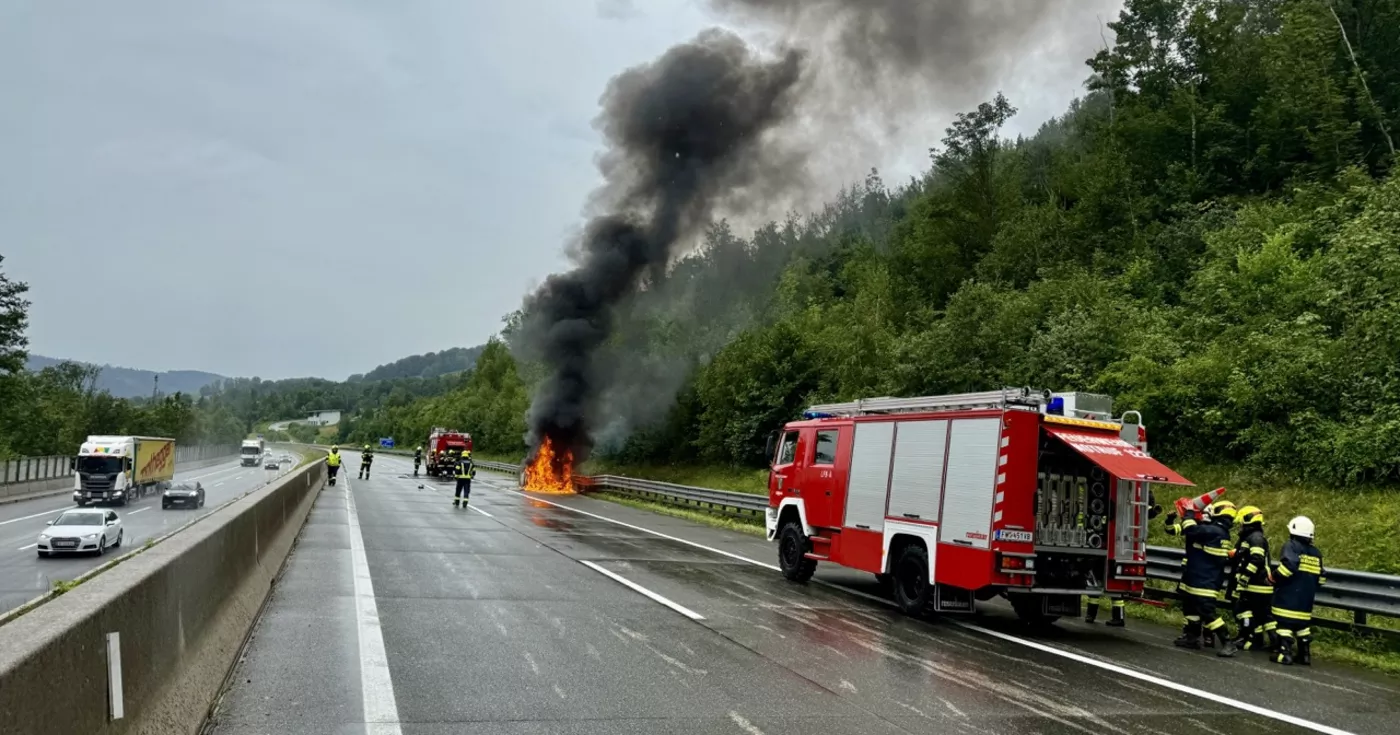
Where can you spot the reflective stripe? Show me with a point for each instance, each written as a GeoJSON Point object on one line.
{"type": "Point", "coordinates": [1216, 551]}
{"type": "Point", "coordinates": [1256, 550]}
{"type": "Point", "coordinates": [1193, 618]}
{"type": "Point", "coordinates": [1118, 603]}
{"type": "Point", "coordinates": [1285, 633]}
{"type": "Point", "coordinates": [1285, 571]}
{"type": "Point", "coordinates": [1215, 624]}
{"type": "Point", "coordinates": [1198, 592]}
{"type": "Point", "coordinates": [1290, 614]}
{"type": "Point", "coordinates": [1305, 632]}
{"type": "Point", "coordinates": [1259, 589]}
{"type": "Point", "coordinates": [1271, 625]}
{"type": "Point", "coordinates": [1246, 615]}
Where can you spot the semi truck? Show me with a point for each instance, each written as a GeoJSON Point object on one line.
{"type": "Point", "coordinates": [443, 448]}
{"type": "Point", "coordinates": [119, 469]}
{"type": "Point", "coordinates": [250, 453]}
{"type": "Point", "coordinates": [1040, 497]}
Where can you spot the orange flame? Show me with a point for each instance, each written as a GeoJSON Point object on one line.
{"type": "Point", "coordinates": [550, 472]}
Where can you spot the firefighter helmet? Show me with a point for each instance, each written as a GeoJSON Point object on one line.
{"type": "Point", "coordinates": [1302, 527]}
{"type": "Point", "coordinates": [1223, 508]}
{"type": "Point", "coordinates": [1250, 515]}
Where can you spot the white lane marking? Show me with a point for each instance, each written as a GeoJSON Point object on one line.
{"type": "Point", "coordinates": [648, 530]}
{"type": "Point", "coordinates": [744, 724]}
{"type": "Point", "coordinates": [1169, 684]}
{"type": "Point", "coordinates": [376, 684]}
{"type": "Point", "coordinates": [36, 515]}
{"type": "Point", "coordinates": [1159, 681]}
{"type": "Point", "coordinates": [488, 515]}
{"type": "Point", "coordinates": [27, 548]}
{"type": "Point", "coordinates": [682, 609]}
{"type": "Point", "coordinates": [143, 510]}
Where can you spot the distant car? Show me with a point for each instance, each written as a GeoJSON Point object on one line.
{"type": "Point", "coordinates": [80, 531]}
{"type": "Point", "coordinates": [183, 495]}
{"type": "Point", "coordinates": [272, 464]}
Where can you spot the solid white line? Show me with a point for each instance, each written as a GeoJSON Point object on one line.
{"type": "Point", "coordinates": [36, 515]}
{"type": "Point", "coordinates": [648, 530]}
{"type": "Point", "coordinates": [1159, 681]}
{"type": "Point", "coordinates": [682, 609]}
{"type": "Point", "coordinates": [27, 548]}
{"type": "Point", "coordinates": [488, 515]}
{"type": "Point", "coordinates": [1169, 684]}
{"type": "Point", "coordinates": [376, 684]}
{"type": "Point", "coordinates": [143, 510]}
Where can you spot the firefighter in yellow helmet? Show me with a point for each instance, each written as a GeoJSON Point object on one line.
{"type": "Point", "coordinates": [1203, 576]}
{"type": "Point", "coordinates": [366, 459]}
{"type": "Point", "coordinates": [417, 459]}
{"type": "Point", "coordinates": [465, 472]}
{"type": "Point", "coordinates": [1252, 590]}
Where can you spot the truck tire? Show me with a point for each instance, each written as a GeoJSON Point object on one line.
{"type": "Point", "coordinates": [1028, 609]}
{"type": "Point", "coordinates": [793, 546]}
{"type": "Point", "coordinates": [913, 590]}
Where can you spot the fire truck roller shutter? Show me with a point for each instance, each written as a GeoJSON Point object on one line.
{"type": "Point", "coordinates": [971, 481]}
{"type": "Point", "coordinates": [1115, 456]}
{"type": "Point", "coordinates": [870, 475]}
{"type": "Point", "coordinates": [916, 487]}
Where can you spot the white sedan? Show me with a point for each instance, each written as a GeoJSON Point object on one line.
{"type": "Point", "coordinates": [80, 531]}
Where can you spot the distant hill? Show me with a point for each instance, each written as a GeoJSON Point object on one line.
{"type": "Point", "coordinates": [131, 383]}
{"type": "Point", "coordinates": [428, 365]}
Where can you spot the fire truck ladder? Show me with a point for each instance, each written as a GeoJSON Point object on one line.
{"type": "Point", "coordinates": [1004, 398]}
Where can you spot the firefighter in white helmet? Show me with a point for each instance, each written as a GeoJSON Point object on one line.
{"type": "Point", "coordinates": [1299, 574]}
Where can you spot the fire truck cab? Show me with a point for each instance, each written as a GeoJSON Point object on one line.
{"type": "Point", "coordinates": [1040, 497]}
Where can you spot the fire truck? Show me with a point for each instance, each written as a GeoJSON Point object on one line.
{"type": "Point", "coordinates": [949, 500]}
{"type": "Point", "coordinates": [443, 448]}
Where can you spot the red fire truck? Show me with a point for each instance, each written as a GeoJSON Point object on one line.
{"type": "Point", "coordinates": [1037, 496]}
{"type": "Point", "coordinates": [443, 448]}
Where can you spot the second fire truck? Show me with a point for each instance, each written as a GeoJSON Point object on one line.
{"type": "Point", "coordinates": [1039, 497]}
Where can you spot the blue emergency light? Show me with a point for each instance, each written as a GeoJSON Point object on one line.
{"type": "Point", "coordinates": [1057, 406]}
{"type": "Point", "coordinates": [817, 415]}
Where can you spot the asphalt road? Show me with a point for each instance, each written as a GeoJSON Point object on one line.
{"type": "Point", "coordinates": [400, 614]}
{"type": "Point", "coordinates": [24, 576]}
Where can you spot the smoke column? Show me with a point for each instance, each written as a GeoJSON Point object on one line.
{"type": "Point", "coordinates": [685, 134]}
{"type": "Point", "coordinates": [713, 127]}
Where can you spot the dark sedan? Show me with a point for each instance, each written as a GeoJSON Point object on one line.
{"type": "Point", "coordinates": [183, 495]}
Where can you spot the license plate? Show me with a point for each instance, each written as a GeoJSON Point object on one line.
{"type": "Point", "coordinates": [97, 495]}
{"type": "Point", "coordinates": [65, 544]}
{"type": "Point", "coordinates": [1022, 537]}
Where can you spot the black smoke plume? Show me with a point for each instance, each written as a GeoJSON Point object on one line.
{"type": "Point", "coordinates": [714, 128]}
{"type": "Point", "coordinates": [685, 134]}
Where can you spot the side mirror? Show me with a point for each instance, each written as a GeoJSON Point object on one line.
{"type": "Point", "coordinates": [50, 523]}
{"type": "Point", "coordinates": [770, 446]}
{"type": "Point", "coordinates": [73, 464]}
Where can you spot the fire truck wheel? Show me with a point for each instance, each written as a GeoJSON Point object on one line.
{"type": "Point", "coordinates": [792, 549]}
{"type": "Point", "coordinates": [913, 591]}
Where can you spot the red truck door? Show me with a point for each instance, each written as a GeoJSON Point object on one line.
{"type": "Point", "coordinates": [819, 477]}
{"type": "Point", "coordinates": [784, 475]}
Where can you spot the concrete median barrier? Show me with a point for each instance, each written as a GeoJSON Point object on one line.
{"type": "Point", "coordinates": [144, 647]}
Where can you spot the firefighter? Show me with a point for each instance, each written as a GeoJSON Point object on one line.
{"type": "Point", "coordinates": [333, 463]}
{"type": "Point", "coordinates": [1253, 588]}
{"type": "Point", "coordinates": [366, 459]}
{"type": "Point", "coordinates": [1299, 574]}
{"type": "Point", "coordinates": [466, 470]}
{"type": "Point", "coordinates": [1202, 579]}
{"type": "Point", "coordinates": [417, 459]}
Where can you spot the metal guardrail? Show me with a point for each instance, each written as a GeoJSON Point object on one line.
{"type": "Point", "coordinates": [1361, 593]}
{"type": "Point", "coordinates": [31, 469]}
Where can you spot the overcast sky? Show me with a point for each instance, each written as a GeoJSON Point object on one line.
{"type": "Point", "coordinates": [314, 187]}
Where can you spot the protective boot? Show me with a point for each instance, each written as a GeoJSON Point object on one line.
{"type": "Point", "coordinates": [1226, 646]}
{"type": "Point", "coordinates": [1284, 654]}
{"type": "Point", "coordinates": [1190, 635]}
{"type": "Point", "coordinates": [1119, 618]}
{"type": "Point", "coordinates": [1304, 651]}
{"type": "Point", "coordinates": [1245, 640]}
{"type": "Point", "coordinates": [1091, 611]}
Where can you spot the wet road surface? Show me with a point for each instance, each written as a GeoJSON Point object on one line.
{"type": "Point", "coordinates": [24, 576]}
{"type": "Point", "coordinates": [400, 614]}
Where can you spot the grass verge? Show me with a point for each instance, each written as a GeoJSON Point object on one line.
{"type": "Point", "coordinates": [754, 527]}
{"type": "Point", "coordinates": [734, 479]}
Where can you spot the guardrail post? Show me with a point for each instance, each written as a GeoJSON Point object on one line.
{"type": "Point", "coordinates": [1359, 617]}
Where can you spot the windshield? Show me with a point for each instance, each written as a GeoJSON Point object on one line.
{"type": "Point", "coordinates": [79, 519]}
{"type": "Point", "coordinates": [99, 464]}
{"type": "Point", "coordinates": [251, 450]}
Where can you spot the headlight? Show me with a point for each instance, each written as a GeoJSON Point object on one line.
{"type": "Point", "coordinates": [44, 537]}
{"type": "Point", "coordinates": [90, 537]}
